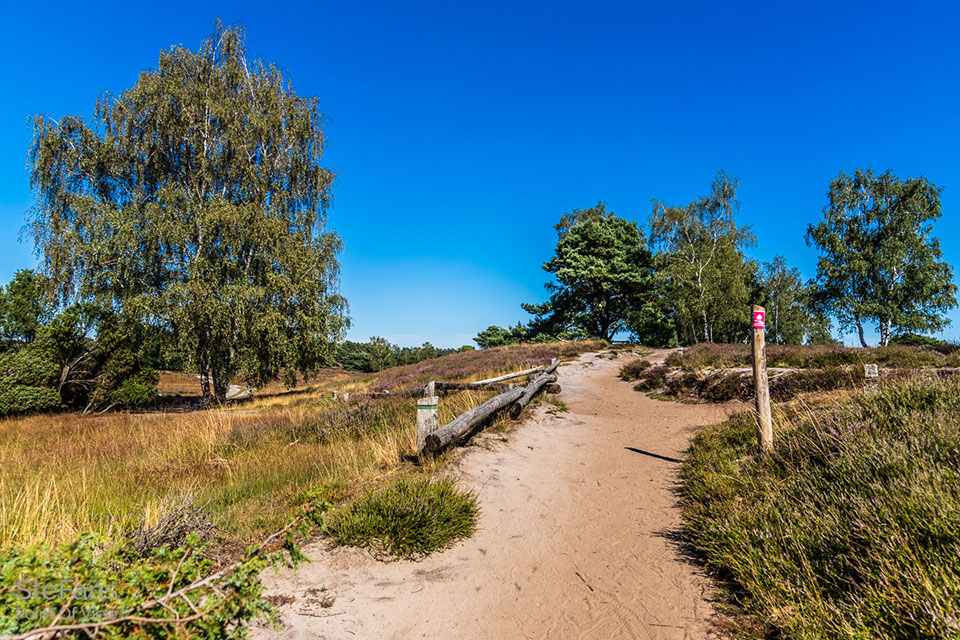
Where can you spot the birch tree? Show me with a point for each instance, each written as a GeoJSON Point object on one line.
{"type": "Point", "coordinates": [699, 254]}
{"type": "Point", "coordinates": [196, 201]}
{"type": "Point", "coordinates": [879, 262]}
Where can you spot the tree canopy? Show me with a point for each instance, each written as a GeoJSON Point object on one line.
{"type": "Point", "coordinates": [196, 203]}
{"type": "Point", "coordinates": [879, 261]}
{"type": "Point", "coordinates": [603, 272]}
{"type": "Point", "coordinates": [704, 278]}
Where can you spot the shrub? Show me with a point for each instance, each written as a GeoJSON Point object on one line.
{"type": "Point", "coordinates": [714, 356]}
{"type": "Point", "coordinates": [29, 367]}
{"type": "Point", "coordinates": [917, 340]}
{"type": "Point", "coordinates": [632, 370]}
{"type": "Point", "coordinates": [809, 380]}
{"type": "Point", "coordinates": [108, 583]}
{"type": "Point", "coordinates": [409, 519]}
{"type": "Point", "coordinates": [851, 527]}
{"type": "Point", "coordinates": [682, 384]}
{"type": "Point", "coordinates": [723, 387]}
{"type": "Point", "coordinates": [652, 378]}
{"type": "Point", "coordinates": [137, 391]}
{"type": "Point", "coordinates": [20, 399]}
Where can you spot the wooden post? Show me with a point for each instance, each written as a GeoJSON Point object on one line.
{"type": "Point", "coordinates": [427, 416]}
{"type": "Point", "coordinates": [760, 381]}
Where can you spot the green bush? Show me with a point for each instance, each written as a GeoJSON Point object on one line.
{"type": "Point", "coordinates": [409, 519]}
{"type": "Point", "coordinates": [682, 384]}
{"type": "Point", "coordinates": [651, 378]}
{"type": "Point", "coordinates": [723, 387]}
{"type": "Point", "coordinates": [851, 528]}
{"type": "Point", "coordinates": [20, 399]}
{"type": "Point", "coordinates": [137, 391]}
{"type": "Point", "coordinates": [27, 366]}
{"type": "Point", "coordinates": [107, 582]}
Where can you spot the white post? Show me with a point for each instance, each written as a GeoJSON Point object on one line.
{"type": "Point", "coordinates": [871, 374]}
{"type": "Point", "coordinates": [427, 417]}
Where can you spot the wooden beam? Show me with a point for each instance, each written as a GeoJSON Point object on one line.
{"type": "Point", "coordinates": [509, 376]}
{"type": "Point", "coordinates": [531, 390]}
{"type": "Point", "coordinates": [467, 421]}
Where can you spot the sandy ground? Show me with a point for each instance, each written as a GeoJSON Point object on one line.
{"type": "Point", "coordinates": [577, 535]}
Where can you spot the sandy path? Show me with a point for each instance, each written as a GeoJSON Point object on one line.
{"type": "Point", "coordinates": [575, 539]}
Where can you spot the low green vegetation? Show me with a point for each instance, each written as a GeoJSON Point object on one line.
{"type": "Point", "coordinates": [179, 587]}
{"type": "Point", "coordinates": [850, 528]}
{"type": "Point", "coordinates": [409, 519]}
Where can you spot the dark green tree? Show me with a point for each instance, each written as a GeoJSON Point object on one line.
{"type": "Point", "coordinates": [879, 261]}
{"type": "Point", "coordinates": [379, 354]}
{"type": "Point", "coordinates": [495, 336]}
{"type": "Point", "coordinates": [603, 274]}
{"type": "Point", "coordinates": [24, 307]}
{"type": "Point", "coordinates": [196, 201]}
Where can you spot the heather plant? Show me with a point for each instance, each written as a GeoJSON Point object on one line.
{"type": "Point", "coordinates": [851, 527]}
{"type": "Point", "coordinates": [651, 378]}
{"type": "Point", "coordinates": [633, 369]}
{"type": "Point", "coordinates": [715, 356]}
{"type": "Point", "coordinates": [409, 519]}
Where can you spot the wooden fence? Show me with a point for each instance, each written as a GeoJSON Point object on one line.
{"type": "Point", "coordinates": [430, 439]}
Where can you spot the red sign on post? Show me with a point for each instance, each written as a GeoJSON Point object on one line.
{"type": "Point", "coordinates": [759, 319]}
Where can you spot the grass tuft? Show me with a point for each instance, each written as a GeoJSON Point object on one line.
{"type": "Point", "coordinates": [409, 519]}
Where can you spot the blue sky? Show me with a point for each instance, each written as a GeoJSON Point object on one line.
{"type": "Point", "coordinates": [461, 132]}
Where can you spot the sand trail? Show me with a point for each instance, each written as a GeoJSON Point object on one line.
{"type": "Point", "coordinates": [577, 535]}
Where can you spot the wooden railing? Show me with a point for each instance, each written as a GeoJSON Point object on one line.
{"type": "Point", "coordinates": [430, 439]}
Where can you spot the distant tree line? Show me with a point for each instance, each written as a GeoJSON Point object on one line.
{"type": "Point", "coordinates": [689, 279]}
{"type": "Point", "coordinates": [379, 354]}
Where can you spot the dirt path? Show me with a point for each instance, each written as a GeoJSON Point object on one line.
{"type": "Point", "coordinates": [576, 539]}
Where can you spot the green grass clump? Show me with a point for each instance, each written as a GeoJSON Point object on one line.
{"type": "Point", "coordinates": [411, 518]}
{"type": "Point", "coordinates": [851, 527]}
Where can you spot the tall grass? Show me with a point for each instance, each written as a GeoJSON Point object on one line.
{"type": "Point", "coordinates": [249, 466]}
{"type": "Point", "coordinates": [851, 528]}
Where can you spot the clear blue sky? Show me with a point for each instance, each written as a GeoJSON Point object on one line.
{"type": "Point", "coordinates": [462, 131]}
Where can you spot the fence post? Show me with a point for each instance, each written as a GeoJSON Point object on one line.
{"type": "Point", "coordinates": [427, 415]}
{"type": "Point", "coordinates": [760, 381]}
{"type": "Point", "coordinates": [871, 374]}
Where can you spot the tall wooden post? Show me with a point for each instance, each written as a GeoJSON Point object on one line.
{"type": "Point", "coordinates": [760, 382]}
{"type": "Point", "coordinates": [427, 415]}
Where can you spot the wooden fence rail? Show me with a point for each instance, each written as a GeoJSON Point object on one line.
{"type": "Point", "coordinates": [430, 441]}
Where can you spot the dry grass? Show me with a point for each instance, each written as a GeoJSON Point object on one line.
{"type": "Point", "coordinates": [173, 383]}
{"type": "Point", "coordinates": [64, 474]}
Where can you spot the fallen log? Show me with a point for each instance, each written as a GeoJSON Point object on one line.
{"type": "Point", "coordinates": [553, 365]}
{"type": "Point", "coordinates": [467, 421]}
{"type": "Point", "coordinates": [529, 391]}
